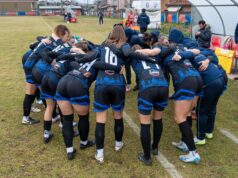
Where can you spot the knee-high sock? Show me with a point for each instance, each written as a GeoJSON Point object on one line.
{"type": "Point", "coordinates": [28, 100]}
{"type": "Point", "coordinates": [157, 132]}
{"type": "Point", "coordinates": [83, 127]}
{"type": "Point", "coordinates": [68, 130]}
{"type": "Point", "coordinates": [145, 139]}
{"type": "Point", "coordinates": [100, 135]}
{"type": "Point", "coordinates": [118, 129]}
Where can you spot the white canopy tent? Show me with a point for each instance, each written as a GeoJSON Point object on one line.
{"type": "Point", "coordinates": [221, 15]}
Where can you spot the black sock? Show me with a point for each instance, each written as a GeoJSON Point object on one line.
{"type": "Point", "coordinates": [38, 94]}
{"type": "Point", "coordinates": [68, 130]}
{"type": "Point", "coordinates": [190, 121]}
{"type": "Point", "coordinates": [118, 129]}
{"type": "Point", "coordinates": [187, 135]}
{"type": "Point", "coordinates": [157, 132]}
{"type": "Point", "coordinates": [47, 125]}
{"type": "Point", "coordinates": [83, 127]}
{"type": "Point", "coordinates": [100, 135]}
{"type": "Point", "coordinates": [145, 139]}
{"type": "Point", "coordinates": [28, 100]}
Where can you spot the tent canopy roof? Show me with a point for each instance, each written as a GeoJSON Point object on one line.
{"type": "Point", "coordinates": [220, 14]}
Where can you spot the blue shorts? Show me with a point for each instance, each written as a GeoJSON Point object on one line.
{"type": "Point", "coordinates": [152, 98]}
{"type": "Point", "coordinates": [106, 96]}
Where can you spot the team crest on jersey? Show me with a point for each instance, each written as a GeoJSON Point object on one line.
{"type": "Point", "coordinates": [187, 63]}
{"type": "Point", "coordinates": [109, 72]}
{"type": "Point", "coordinates": [154, 73]}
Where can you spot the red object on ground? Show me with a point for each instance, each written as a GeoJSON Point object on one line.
{"type": "Point", "coordinates": [73, 20]}
{"type": "Point", "coordinates": [215, 42]}
{"type": "Point", "coordinates": [31, 13]}
{"type": "Point", "coordinates": [11, 13]}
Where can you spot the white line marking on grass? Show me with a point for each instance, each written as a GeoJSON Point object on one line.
{"type": "Point", "coordinates": [46, 23]}
{"type": "Point", "coordinates": [169, 167]}
{"type": "Point", "coordinates": [229, 135]}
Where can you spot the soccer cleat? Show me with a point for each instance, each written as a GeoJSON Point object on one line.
{"type": "Point", "coordinates": [35, 110]}
{"type": "Point", "coordinates": [128, 88]}
{"type": "Point", "coordinates": [71, 155]}
{"type": "Point", "coordinates": [142, 158]}
{"type": "Point", "coordinates": [56, 118]}
{"type": "Point", "coordinates": [209, 135]}
{"type": "Point", "coordinates": [181, 146]}
{"type": "Point", "coordinates": [191, 157]}
{"type": "Point", "coordinates": [75, 124]}
{"type": "Point", "coordinates": [154, 151]}
{"type": "Point", "coordinates": [47, 139]}
{"type": "Point", "coordinates": [135, 88]}
{"type": "Point", "coordinates": [119, 147]}
{"type": "Point", "coordinates": [39, 101]}
{"type": "Point", "coordinates": [199, 142]}
{"type": "Point", "coordinates": [29, 121]}
{"type": "Point", "coordinates": [60, 125]}
{"type": "Point", "coordinates": [89, 144]}
{"type": "Point", "coordinates": [100, 159]}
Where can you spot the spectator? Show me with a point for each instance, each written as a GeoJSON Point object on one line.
{"type": "Point", "coordinates": [236, 34]}
{"type": "Point", "coordinates": [100, 15]}
{"type": "Point", "coordinates": [204, 34]}
{"type": "Point", "coordinates": [143, 21]}
{"type": "Point", "coordinates": [130, 19]}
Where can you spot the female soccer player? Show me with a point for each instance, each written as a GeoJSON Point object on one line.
{"type": "Point", "coordinates": [187, 84]}
{"type": "Point", "coordinates": [110, 90]}
{"type": "Point", "coordinates": [152, 97]}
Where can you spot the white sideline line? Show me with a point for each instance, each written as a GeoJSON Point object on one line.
{"type": "Point", "coordinates": [169, 167]}
{"type": "Point", "coordinates": [229, 135]}
{"type": "Point", "coordinates": [46, 23]}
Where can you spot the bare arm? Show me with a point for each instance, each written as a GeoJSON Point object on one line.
{"type": "Point", "coordinates": [149, 52]}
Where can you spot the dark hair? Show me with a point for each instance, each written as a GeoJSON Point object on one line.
{"type": "Point", "coordinates": [147, 37]}
{"type": "Point", "coordinates": [60, 30]}
{"type": "Point", "coordinates": [202, 22]}
{"type": "Point", "coordinates": [143, 10]}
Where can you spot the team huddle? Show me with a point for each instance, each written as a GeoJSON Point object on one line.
{"type": "Point", "coordinates": [63, 68]}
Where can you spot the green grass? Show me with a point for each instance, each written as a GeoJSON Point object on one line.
{"type": "Point", "coordinates": [24, 155]}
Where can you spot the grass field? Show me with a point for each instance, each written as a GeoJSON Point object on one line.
{"type": "Point", "coordinates": [23, 154]}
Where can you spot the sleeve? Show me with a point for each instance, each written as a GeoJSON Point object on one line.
{"type": "Point", "coordinates": [67, 57]}
{"type": "Point", "coordinates": [236, 34]}
{"type": "Point", "coordinates": [206, 35]}
{"type": "Point", "coordinates": [44, 55]}
{"type": "Point", "coordinates": [34, 45]}
{"type": "Point", "coordinates": [105, 66]}
{"type": "Point", "coordinates": [166, 51]}
{"type": "Point", "coordinates": [126, 49]}
{"type": "Point", "coordinates": [39, 38]}
{"type": "Point", "coordinates": [187, 55]}
{"type": "Point", "coordinates": [87, 57]}
{"type": "Point", "coordinates": [148, 20]}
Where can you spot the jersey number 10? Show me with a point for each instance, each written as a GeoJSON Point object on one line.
{"type": "Point", "coordinates": [110, 57]}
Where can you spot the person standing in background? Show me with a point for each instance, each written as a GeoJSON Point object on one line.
{"type": "Point", "coordinates": [236, 34]}
{"type": "Point", "coordinates": [204, 34]}
{"type": "Point", "coordinates": [100, 15]}
{"type": "Point", "coordinates": [130, 18]}
{"type": "Point", "coordinates": [143, 21]}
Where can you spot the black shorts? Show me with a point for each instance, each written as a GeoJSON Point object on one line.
{"type": "Point", "coordinates": [49, 85]}
{"type": "Point", "coordinates": [109, 96]}
{"type": "Point", "coordinates": [188, 89]}
{"type": "Point", "coordinates": [70, 88]}
{"type": "Point", "coordinates": [152, 98]}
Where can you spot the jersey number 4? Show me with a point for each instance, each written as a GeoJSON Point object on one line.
{"type": "Point", "coordinates": [110, 57]}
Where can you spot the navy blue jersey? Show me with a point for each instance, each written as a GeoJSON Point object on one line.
{"type": "Point", "coordinates": [26, 56]}
{"type": "Point", "coordinates": [44, 64]}
{"type": "Point", "coordinates": [149, 74]}
{"type": "Point", "coordinates": [212, 72]}
{"type": "Point", "coordinates": [107, 77]}
{"type": "Point", "coordinates": [35, 56]}
{"type": "Point", "coordinates": [182, 69]}
{"type": "Point", "coordinates": [61, 67]}
{"type": "Point", "coordinates": [88, 67]}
